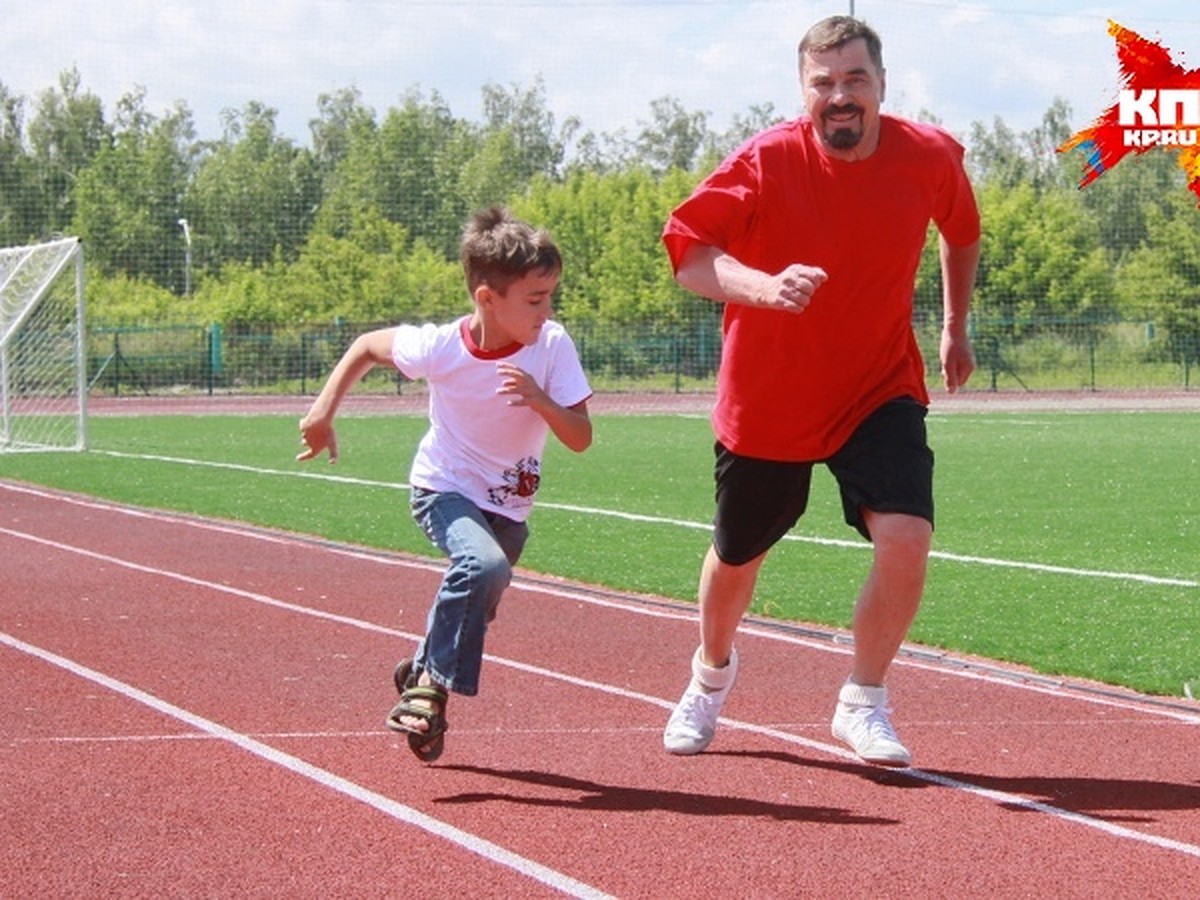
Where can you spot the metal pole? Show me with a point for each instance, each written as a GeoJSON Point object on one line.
{"type": "Point", "coordinates": [81, 385]}
{"type": "Point", "coordinates": [187, 258]}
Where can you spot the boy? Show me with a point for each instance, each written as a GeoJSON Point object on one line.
{"type": "Point", "coordinates": [499, 381]}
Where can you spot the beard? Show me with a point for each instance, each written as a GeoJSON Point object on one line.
{"type": "Point", "coordinates": [841, 138]}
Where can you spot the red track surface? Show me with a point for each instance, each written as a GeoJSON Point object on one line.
{"type": "Point", "coordinates": [193, 708]}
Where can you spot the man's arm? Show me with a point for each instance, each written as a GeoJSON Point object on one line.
{"type": "Point", "coordinates": [713, 273]}
{"type": "Point", "coordinates": [959, 265]}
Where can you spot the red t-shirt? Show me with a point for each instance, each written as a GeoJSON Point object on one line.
{"type": "Point", "coordinates": [794, 387]}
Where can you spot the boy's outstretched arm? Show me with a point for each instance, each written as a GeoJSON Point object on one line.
{"type": "Point", "coordinates": [570, 424]}
{"type": "Point", "coordinates": [316, 428]}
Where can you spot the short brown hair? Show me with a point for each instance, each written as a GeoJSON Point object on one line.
{"type": "Point", "coordinates": [831, 33]}
{"type": "Point", "coordinates": [497, 249]}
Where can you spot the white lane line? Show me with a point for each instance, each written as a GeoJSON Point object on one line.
{"type": "Point", "coordinates": [1137, 577]}
{"type": "Point", "coordinates": [911, 658]}
{"type": "Point", "coordinates": [386, 805]}
{"type": "Point", "coordinates": [997, 796]}
{"type": "Point", "coordinates": [612, 690]}
{"type": "Point", "coordinates": [826, 642]}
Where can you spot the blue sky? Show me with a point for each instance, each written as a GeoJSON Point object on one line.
{"type": "Point", "coordinates": [604, 61]}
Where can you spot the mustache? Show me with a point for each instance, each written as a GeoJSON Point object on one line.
{"type": "Point", "coordinates": [841, 110]}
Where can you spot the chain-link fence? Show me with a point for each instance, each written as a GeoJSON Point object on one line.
{"type": "Point", "coordinates": [267, 231]}
{"type": "Point", "coordinates": [1011, 355]}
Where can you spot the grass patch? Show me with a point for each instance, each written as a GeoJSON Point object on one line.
{"type": "Point", "coordinates": [1110, 499]}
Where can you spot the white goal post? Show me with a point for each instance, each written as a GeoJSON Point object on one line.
{"type": "Point", "coordinates": [43, 384]}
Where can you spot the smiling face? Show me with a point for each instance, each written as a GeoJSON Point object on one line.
{"type": "Point", "coordinates": [518, 314]}
{"type": "Point", "coordinates": [843, 90]}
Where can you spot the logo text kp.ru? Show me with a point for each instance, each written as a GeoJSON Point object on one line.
{"type": "Point", "coordinates": [1153, 117]}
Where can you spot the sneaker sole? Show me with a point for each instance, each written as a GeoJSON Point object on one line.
{"type": "Point", "coordinates": [686, 749]}
{"type": "Point", "coordinates": [888, 762]}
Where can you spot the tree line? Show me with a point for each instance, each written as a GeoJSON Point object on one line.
{"type": "Point", "coordinates": [363, 223]}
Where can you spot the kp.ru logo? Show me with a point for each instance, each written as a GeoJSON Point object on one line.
{"type": "Point", "coordinates": [1159, 106]}
{"type": "Point", "coordinates": [1143, 115]}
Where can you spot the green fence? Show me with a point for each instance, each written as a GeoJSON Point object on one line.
{"type": "Point", "coordinates": [1011, 355]}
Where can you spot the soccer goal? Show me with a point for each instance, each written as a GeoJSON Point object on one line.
{"type": "Point", "coordinates": [43, 389]}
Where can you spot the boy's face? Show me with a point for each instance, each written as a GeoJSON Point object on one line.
{"type": "Point", "coordinates": [520, 312]}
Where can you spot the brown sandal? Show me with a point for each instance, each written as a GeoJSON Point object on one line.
{"type": "Point", "coordinates": [426, 744]}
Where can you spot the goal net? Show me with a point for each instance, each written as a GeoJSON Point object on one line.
{"type": "Point", "coordinates": [43, 391]}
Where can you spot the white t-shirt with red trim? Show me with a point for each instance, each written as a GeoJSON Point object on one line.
{"type": "Point", "coordinates": [478, 444]}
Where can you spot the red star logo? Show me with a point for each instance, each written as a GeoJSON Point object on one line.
{"type": "Point", "coordinates": [1136, 124]}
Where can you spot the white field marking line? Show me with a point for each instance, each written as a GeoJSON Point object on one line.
{"type": "Point", "coordinates": [1000, 797]}
{"type": "Point", "coordinates": [684, 523]}
{"type": "Point", "coordinates": [514, 731]}
{"type": "Point", "coordinates": [1004, 678]}
{"type": "Point", "coordinates": [470, 842]}
{"type": "Point", "coordinates": [1035, 684]}
{"type": "Point", "coordinates": [1060, 692]}
{"type": "Point", "coordinates": [191, 736]}
{"type": "Point", "coordinates": [264, 599]}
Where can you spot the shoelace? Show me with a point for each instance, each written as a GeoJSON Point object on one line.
{"type": "Point", "coordinates": [694, 711]}
{"type": "Point", "coordinates": [874, 720]}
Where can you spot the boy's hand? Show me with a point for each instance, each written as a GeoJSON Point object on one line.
{"type": "Point", "coordinates": [317, 435]}
{"type": "Point", "coordinates": [570, 425]}
{"type": "Point", "coordinates": [518, 385]}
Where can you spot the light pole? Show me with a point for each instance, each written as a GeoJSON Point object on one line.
{"type": "Point", "coordinates": [187, 258]}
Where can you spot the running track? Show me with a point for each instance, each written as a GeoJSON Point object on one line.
{"type": "Point", "coordinates": [195, 708]}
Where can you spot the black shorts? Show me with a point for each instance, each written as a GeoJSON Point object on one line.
{"type": "Point", "coordinates": [885, 466]}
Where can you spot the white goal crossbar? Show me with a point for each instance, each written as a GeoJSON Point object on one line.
{"type": "Point", "coordinates": [43, 385]}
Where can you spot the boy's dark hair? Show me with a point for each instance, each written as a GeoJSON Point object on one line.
{"type": "Point", "coordinates": [498, 249]}
{"type": "Point", "coordinates": [833, 32]}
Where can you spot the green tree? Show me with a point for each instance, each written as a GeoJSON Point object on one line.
{"type": "Point", "coordinates": [607, 226]}
{"type": "Point", "coordinates": [517, 143]}
{"type": "Point", "coordinates": [1122, 198]}
{"type": "Point", "coordinates": [243, 296]}
{"type": "Point", "coordinates": [373, 274]}
{"type": "Point", "coordinates": [523, 116]}
{"type": "Point", "coordinates": [1040, 256]}
{"type": "Point", "coordinates": [254, 195]}
{"type": "Point", "coordinates": [339, 116]}
{"type": "Point", "coordinates": [407, 168]}
{"type": "Point", "coordinates": [1002, 156]}
{"type": "Point", "coordinates": [673, 138]}
{"type": "Point", "coordinates": [617, 293]}
{"type": "Point", "coordinates": [1042, 277]}
{"type": "Point", "coordinates": [116, 300]}
{"type": "Point", "coordinates": [129, 200]}
{"type": "Point", "coordinates": [17, 188]}
{"type": "Point", "coordinates": [65, 134]}
{"type": "Point", "coordinates": [743, 126]}
{"type": "Point", "coordinates": [1161, 279]}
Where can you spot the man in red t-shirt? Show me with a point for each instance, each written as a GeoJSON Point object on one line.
{"type": "Point", "coordinates": [811, 234]}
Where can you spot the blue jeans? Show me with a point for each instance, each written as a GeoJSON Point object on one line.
{"type": "Point", "coordinates": [483, 548]}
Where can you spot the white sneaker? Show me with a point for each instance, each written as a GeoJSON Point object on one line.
{"type": "Point", "coordinates": [693, 723]}
{"type": "Point", "coordinates": [861, 720]}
